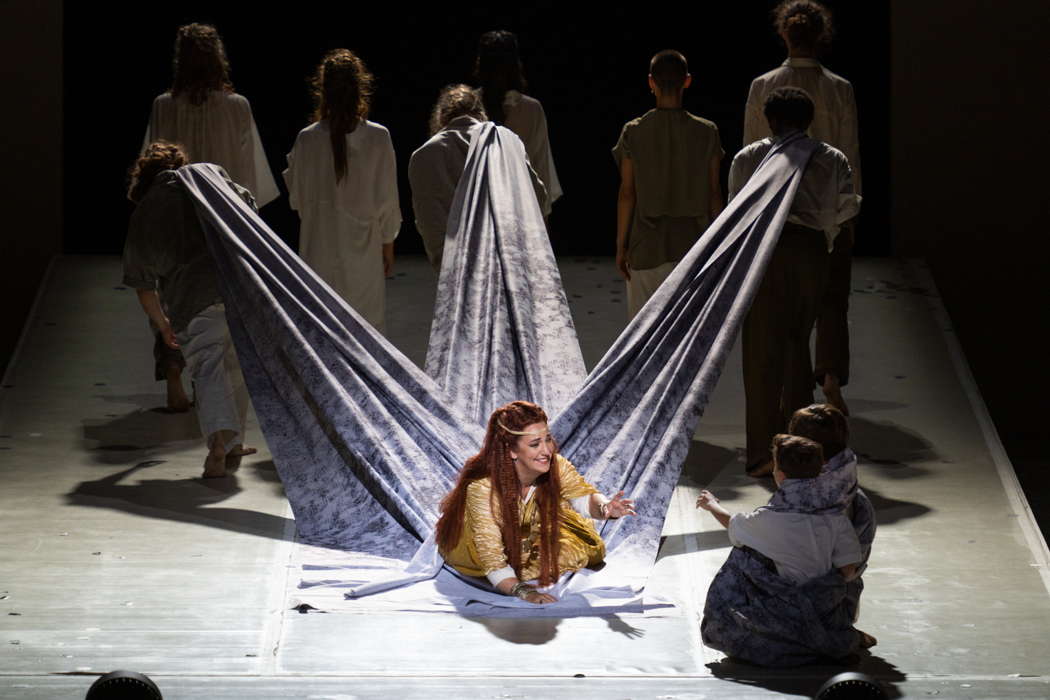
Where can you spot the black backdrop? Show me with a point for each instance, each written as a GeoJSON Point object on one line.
{"type": "Point", "coordinates": [587, 65]}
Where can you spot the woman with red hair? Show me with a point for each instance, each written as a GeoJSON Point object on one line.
{"type": "Point", "coordinates": [520, 512]}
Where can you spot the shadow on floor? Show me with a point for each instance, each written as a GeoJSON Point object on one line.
{"type": "Point", "coordinates": [140, 431]}
{"type": "Point", "coordinates": [156, 402]}
{"type": "Point", "coordinates": [705, 462]}
{"type": "Point", "coordinates": [674, 545]}
{"type": "Point", "coordinates": [806, 680]}
{"type": "Point", "coordinates": [520, 630]}
{"type": "Point", "coordinates": [181, 500]}
{"type": "Point", "coordinates": [540, 630]}
{"type": "Point", "coordinates": [890, 448]}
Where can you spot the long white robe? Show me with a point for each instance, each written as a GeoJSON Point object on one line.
{"type": "Point", "coordinates": [345, 224]}
{"type": "Point", "coordinates": [220, 130]}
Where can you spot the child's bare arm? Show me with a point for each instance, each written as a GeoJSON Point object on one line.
{"type": "Point", "coordinates": [708, 502]}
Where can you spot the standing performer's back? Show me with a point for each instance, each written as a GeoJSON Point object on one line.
{"type": "Point", "coordinates": [669, 164]}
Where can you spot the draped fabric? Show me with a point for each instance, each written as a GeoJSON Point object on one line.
{"type": "Point", "coordinates": [367, 444]}
{"type": "Point", "coordinates": [502, 330]}
{"type": "Point", "coordinates": [754, 615]}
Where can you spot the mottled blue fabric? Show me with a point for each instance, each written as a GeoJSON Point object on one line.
{"type": "Point", "coordinates": [364, 441]}
{"type": "Point", "coordinates": [502, 329]}
{"type": "Point", "coordinates": [366, 444]}
{"type": "Point", "coordinates": [753, 614]}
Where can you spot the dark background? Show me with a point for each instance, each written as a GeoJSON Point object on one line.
{"type": "Point", "coordinates": [952, 113]}
{"type": "Point", "coordinates": [587, 66]}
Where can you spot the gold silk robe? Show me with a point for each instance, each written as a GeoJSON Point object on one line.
{"type": "Point", "coordinates": [480, 548]}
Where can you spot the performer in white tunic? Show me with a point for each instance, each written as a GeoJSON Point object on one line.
{"type": "Point", "coordinates": [342, 179]}
{"type": "Point", "coordinates": [805, 25]}
{"type": "Point", "coordinates": [435, 167]}
{"type": "Point", "coordinates": [207, 118]}
{"type": "Point", "coordinates": [499, 71]}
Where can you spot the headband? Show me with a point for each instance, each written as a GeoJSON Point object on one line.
{"type": "Point", "coordinates": [519, 432]}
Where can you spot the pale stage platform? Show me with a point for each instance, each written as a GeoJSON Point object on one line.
{"type": "Point", "coordinates": [116, 556]}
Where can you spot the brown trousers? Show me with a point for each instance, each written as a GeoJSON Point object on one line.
{"type": "Point", "coordinates": [778, 375]}
{"type": "Point", "coordinates": [832, 345]}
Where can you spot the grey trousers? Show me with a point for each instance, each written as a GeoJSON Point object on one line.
{"type": "Point", "coordinates": [221, 397]}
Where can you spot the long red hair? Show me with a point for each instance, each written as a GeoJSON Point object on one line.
{"type": "Point", "coordinates": [494, 461]}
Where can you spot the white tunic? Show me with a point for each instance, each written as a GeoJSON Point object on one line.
{"type": "Point", "coordinates": [220, 130]}
{"type": "Point", "coordinates": [433, 173]}
{"type": "Point", "coordinates": [834, 107]}
{"type": "Point", "coordinates": [345, 224]}
{"type": "Point", "coordinates": [525, 117]}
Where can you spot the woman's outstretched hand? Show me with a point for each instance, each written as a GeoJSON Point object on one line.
{"type": "Point", "coordinates": [539, 598]}
{"type": "Point", "coordinates": [619, 506]}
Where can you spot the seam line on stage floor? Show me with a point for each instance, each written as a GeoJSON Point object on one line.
{"type": "Point", "coordinates": [34, 309]}
{"type": "Point", "coordinates": [817, 672]}
{"type": "Point", "coordinates": [279, 596]}
{"type": "Point", "coordinates": [1018, 502]}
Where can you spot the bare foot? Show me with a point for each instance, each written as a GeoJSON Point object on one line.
{"type": "Point", "coordinates": [866, 640]}
{"type": "Point", "coordinates": [233, 458]}
{"type": "Point", "coordinates": [178, 402]}
{"type": "Point", "coordinates": [833, 393]}
{"type": "Point", "coordinates": [215, 464]}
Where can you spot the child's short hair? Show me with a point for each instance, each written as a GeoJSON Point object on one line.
{"type": "Point", "coordinates": [791, 106]}
{"type": "Point", "coordinates": [823, 423]}
{"type": "Point", "coordinates": [669, 69]}
{"type": "Point", "coordinates": [797, 457]}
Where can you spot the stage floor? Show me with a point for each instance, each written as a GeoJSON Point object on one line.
{"type": "Point", "coordinates": [116, 556]}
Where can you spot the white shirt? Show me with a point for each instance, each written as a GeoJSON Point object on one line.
{"type": "Point", "coordinates": [525, 117]}
{"type": "Point", "coordinates": [433, 173]}
{"type": "Point", "coordinates": [802, 546]}
{"type": "Point", "coordinates": [220, 130]}
{"type": "Point", "coordinates": [825, 196]}
{"type": "Point", "coordinates": [345, 223]}
{"type": "Point", "coordinates": [834, 107]}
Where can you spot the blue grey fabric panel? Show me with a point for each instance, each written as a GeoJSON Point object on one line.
{"type": "Point", "coordinates": [365, 443]}
{"type": "Point", "coordinates": [502, 330]}
{"type": "Point", "coordinates": [632, 422]}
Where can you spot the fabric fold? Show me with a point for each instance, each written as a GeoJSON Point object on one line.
{"type": "Point", "coordinates": [502, 329]}
{"type": "Point", "coordinates": [366, 444]}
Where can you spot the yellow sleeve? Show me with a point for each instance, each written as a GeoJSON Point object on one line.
{"type": "Point", "coordinates": [572, 484]}
{"type": "Point", "coordinates": [483, 526]}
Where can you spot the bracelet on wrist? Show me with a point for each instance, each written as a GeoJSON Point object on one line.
{"type": "Point", "coordinates": [603, 510]}
{"type": "Point", "coordinates": [521, 590]}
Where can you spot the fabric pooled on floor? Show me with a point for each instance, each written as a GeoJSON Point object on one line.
{"type": "Point", "coordinates": [366, 444]}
